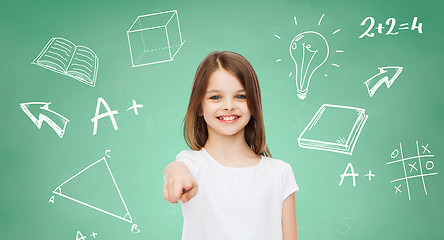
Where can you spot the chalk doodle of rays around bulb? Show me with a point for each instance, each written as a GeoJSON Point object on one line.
{"type": "Point", "coordinates": [309, 50]}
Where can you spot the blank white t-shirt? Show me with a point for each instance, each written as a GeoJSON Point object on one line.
{"type": "Point", "coordinates": [235, 203]}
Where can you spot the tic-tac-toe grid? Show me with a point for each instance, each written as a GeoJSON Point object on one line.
{"type": "Point", "coordinates": [414, 164]}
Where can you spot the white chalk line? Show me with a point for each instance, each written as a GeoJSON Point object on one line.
{"type": "Point", "coordinates": [58, 55]}
{"type": "Point", "coordinates": [423, 156]}
{"type": "Point", "coordinates": [421, 175]}
{"type": "Point", "coordinates": [81, 60]}
{"type": "Point", "coordinates": [60, 50]}
{"type": "Point", "coordinates": [55, 59]}
{"type": "Point", "coordinates": [320, 20]}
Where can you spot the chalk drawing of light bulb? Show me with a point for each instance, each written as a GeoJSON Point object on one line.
{"type": "Point", "coordinates": [309, 50]}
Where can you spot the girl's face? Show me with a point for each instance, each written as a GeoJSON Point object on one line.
{"type": "Point", "coordinates": [224, 106]}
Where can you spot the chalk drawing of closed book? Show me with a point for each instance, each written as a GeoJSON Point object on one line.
{"type": "Point", "coordinates": [62, 56]}
{"type": "Point", "coordinates": [334, 128]}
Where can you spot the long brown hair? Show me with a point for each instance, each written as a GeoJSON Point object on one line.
{"type": "Point", "coordinates": [194, 126]}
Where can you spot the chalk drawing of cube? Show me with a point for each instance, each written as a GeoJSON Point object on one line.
{"type": "Point", "coordinates": [154, 38]}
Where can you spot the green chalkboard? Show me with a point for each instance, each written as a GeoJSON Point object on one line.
{"type": "Point", "coordinates": [363, 132]}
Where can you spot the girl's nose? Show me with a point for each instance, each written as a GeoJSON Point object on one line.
{"type": "Point", "coordinates": [228, 105]}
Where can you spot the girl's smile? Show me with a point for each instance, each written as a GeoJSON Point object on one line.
{"type": "Point", "coordinates": [228, 118]}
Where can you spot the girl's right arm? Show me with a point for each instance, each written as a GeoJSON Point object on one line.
{"type": "Point", "coordinates": [179, 183]}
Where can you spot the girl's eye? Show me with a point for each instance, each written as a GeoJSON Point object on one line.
{"type": "Point", "coordinates": [215, 97]}
{"type": "Point", "coordinates": [241, 97]}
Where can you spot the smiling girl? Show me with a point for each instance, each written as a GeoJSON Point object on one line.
{"type": "Point", "coordinates": [228, 184]}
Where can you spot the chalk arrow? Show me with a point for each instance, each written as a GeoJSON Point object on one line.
{"type": "Point", "coordinates": [376, 81]}
{"type": "Point", "coordinates": [45, 115]}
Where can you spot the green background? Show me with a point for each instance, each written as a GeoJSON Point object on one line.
{"type": "Point", "coordinates": [35, 161]}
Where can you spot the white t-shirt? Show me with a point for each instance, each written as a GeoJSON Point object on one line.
{"type": "Point", "coordinates": [235, 203]}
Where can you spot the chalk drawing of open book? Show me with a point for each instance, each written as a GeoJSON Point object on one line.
{"type": "Point", "coordinates": [334, 128]}
{"type": "Point", "coordinates": [62, 56]}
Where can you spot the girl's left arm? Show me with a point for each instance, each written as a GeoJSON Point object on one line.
{"type": "Point", "coordinates": [289, 231]}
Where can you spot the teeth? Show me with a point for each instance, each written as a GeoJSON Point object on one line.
{"type": "Point", "coordinates": [228, 118]}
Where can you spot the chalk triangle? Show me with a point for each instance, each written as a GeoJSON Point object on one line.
{"type": "Point", "coordinates": [96, 188]}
